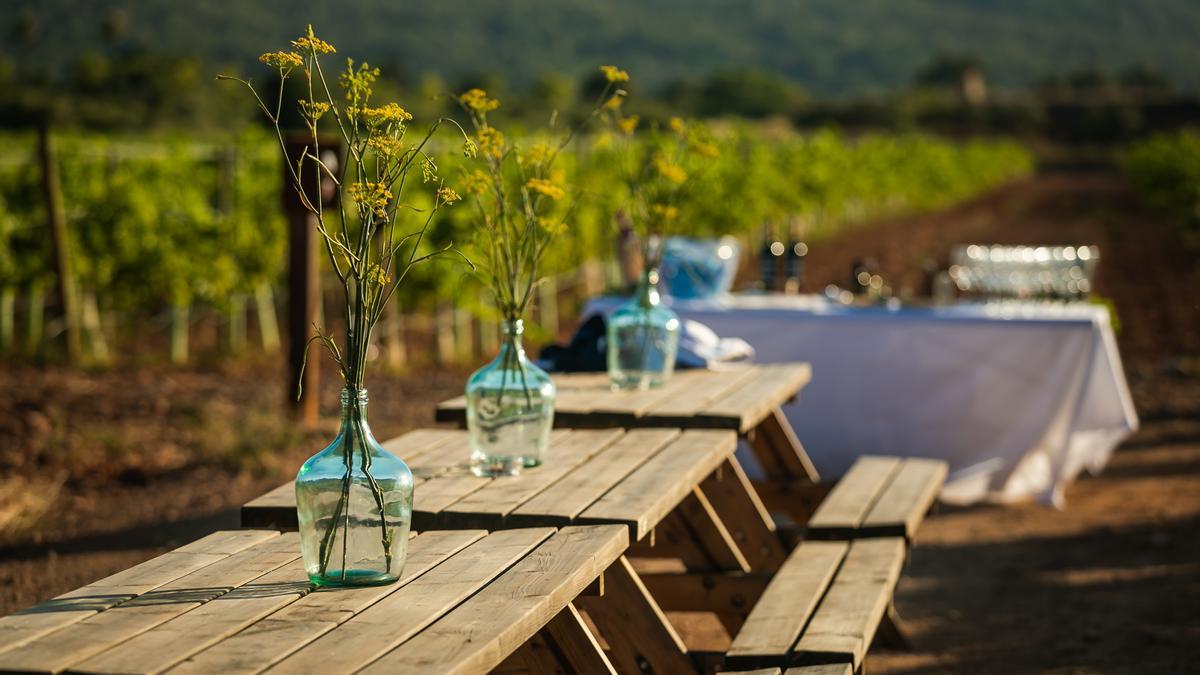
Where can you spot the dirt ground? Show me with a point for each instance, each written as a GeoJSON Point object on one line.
{"type": "Point", "coordinates": [99, 471]}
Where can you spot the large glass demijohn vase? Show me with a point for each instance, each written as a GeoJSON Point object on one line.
{"type": "Point", "coordinates": [354, 502]}
{"type": "Point", "coordinates": [510, 409]}
{"type": "Point", "coordinates": [643, 337]}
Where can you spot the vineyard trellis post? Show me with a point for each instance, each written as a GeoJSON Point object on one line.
{"type": "Point", "coordinates": [304, 276]}
{"type": "Point", "coordinates": [60, 245]}
{"type": "Point", "coordinates": [8, 296]}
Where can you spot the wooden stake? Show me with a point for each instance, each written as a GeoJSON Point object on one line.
{"type": "Point", "coordinates": [179, 333]}
{"type": "Point", "coordinates": [7, 303]}
{"type": "Point", "coordinates": [268, 324]}
{"type": "Point", "coordinates": [60, 245]}
{"type": "Point", "coordinates": [35, 315]}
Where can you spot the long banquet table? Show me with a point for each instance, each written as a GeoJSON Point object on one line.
{"type": "Point", "coordinates": [1019, 398]}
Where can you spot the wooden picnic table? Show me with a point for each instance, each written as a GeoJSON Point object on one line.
{"type": "Point", "coordinates": [240, 602]}
{"type": "Point", "coordinates": [702, 542]}
{"type": "Point", "coordinates": [745, 398]}
{"type": "Point", "coordinates": [677, 482]}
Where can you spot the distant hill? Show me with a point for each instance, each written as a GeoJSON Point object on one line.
{"type": "Point", "coordinates": [833, 47]}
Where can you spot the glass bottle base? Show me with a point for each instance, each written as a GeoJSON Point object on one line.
{"type": "Point", "coordinates": [497, 465]}
{"type": "Point", "coordinates": [632, 380]}
{"type": "Point", "coordinates": [334, 579]}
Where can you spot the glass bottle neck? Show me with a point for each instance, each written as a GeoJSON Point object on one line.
{"type": "Point", "coordinates": [354, 406]}
{"type": "Point", "coordinates": [648, 293]}
{"type": "Point", "coordinates": [511, 344]}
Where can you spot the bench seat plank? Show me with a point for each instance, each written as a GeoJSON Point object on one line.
{"type": "Point", "coordinates": [824, 606]}
{"type": "Point", "coordinates": [787, 603]}
{"type": "Point", "coordinates": [879, 497]}
{"type": "Point", "coordinates": [900, 509]}
{"type": "Point", "coordinates": [855, 604]}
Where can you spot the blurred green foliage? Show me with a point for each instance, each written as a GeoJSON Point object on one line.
{"type": "Point", "coordinates": [155, 223]}
{"type": "Point", "coordinates": [1165, 170]}
{"type": "Point", "coordinates": [147, 219]}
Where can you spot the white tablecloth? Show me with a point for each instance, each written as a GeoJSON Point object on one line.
{"type": "Point", "coordinates": [1018, 398]}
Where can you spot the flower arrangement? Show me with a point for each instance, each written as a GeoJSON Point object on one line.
{"type": "Point", "coordinates": [521, 201]}
{"type": "Point", "coordinates": [656, 171]}
{"type": "Point", "coordinates": [643, 334]}
{"type": "Point", "coordinates": [371, 253]}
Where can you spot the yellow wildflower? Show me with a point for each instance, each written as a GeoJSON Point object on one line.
{"type": "Point", "coordinates": [705, 149]}
{"type": "Point", "coordinates": [428, 170]}
{"type": "Point", "coordinates": [669, 170]}
{"type": "Point", "coordinates": [676, 125]}
{"type": "Point", "coordinates": [374, 117]}
{"type": "Point", "coordinates": [628, 124]}
{"type": "Point", "coordinates": [376, 275]}
{"type": "Point", "coordinates": [470, 149]}
{"type": "Point", "coordinates": [614, 74]}
{"type": "Point", "coordinates": [371, 196]}
{"type": "Point", "coordinates": [616, 100]}
{"type": "Point", "coordinates": [491, 142]}
{"type": "Point", "coordinates": [447, 195]}
{"type": "Point", "coordinates": [357, 83]}
{"type": "Point", "coordinates": [282, 60]}
{"type": "Point", "coordinates": [552, 226]}
{"type": "Point", "coordinates": [476, 182]}
{"type": "Point", "coordinates": [477, 100]}
{"type": "Point", "coordinates": [312, 110]}
{"type": "Point", "coordinates": [388, 146]}
{"type": "Point", "coordinates": [546, 187]}
{"type": "Point", "coordinates": [538, 153]}
{"type": "Point", "coordinates": [664, 211]}
{"type": "Point", "coordinates": [312, 43]}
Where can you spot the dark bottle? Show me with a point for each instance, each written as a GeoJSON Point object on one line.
{"type": "Point", "coordinates": [770, 260]}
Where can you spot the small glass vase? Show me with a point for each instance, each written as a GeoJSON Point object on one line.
{"type": "Point", "coordinates": [510, 409]}
{"type": "Point", "coordinates": [354, 503]}
{"type": "Point", "coordinates": [643, 337]}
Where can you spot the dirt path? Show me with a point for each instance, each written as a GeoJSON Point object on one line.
{"type": "Point", "coordinates": [1110, 584]}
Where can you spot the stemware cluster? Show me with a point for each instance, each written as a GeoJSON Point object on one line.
{"type": "Point", "coordinates": [1026, 272]}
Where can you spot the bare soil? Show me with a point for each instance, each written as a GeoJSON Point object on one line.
{"type": "Point", "coordinates": [101, 470]}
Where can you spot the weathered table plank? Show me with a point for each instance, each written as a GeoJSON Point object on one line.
{"type": "Point", "coordinates": [248, 610]}
{"type": "Point", "coordinates": [55, 651]}
{"type": "Point", "coordinates": [478, 634]}
{"type": "Point", "coordinates": [735, 398]}
{"type": "Point", "coordinates": [269, 640]}
{"type": "Point", "coordinates": [590, 476]}
{"type": "Point", "coordinates": [29, 624]}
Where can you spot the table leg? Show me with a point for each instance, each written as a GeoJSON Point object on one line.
{"type": "Point", "coordinates": [639, 637]}
{"type": "Point", "coordinates": [892, 633]}
{"type": "Point", "coordinates": [779, 451]}
{"type": "Point", "coordinates": [739, 507]}
{"type": "Point", "coordinates": [575, 644]}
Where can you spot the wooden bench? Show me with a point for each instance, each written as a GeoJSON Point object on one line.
{"type": "Point", "coordinates": [826, 669]}
{"type": "Point", "coordinates": [239, 602]}
{"type": "Point", "coordinates": [824, 607]}
{"type": "Point", "coordinates": [878, 497]}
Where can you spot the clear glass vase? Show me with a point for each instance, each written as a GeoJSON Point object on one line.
{"type": "Point", "coordinates": [354, 502]}
{"type": "Point", "coordinates": [643, 337]}
{"type": "Point", "coordinates": [510, 409]}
